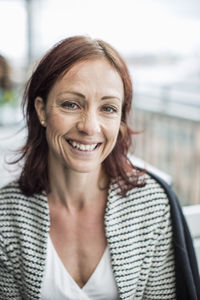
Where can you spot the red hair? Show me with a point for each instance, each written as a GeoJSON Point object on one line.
{"type": "Point", "coordinates": [57, 61]}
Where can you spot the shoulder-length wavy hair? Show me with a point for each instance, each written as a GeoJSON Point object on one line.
{"type": "Point", "coordinates": [58, 61]}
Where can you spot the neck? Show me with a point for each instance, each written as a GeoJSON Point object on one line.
{"type": "Point", "coordinates": [76, 190]}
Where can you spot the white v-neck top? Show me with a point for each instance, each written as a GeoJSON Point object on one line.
{"type": "Point", "coordinates": [59, 285]}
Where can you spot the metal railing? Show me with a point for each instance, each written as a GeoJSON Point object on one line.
{"type": "Point", "coordinates": [169, 141]}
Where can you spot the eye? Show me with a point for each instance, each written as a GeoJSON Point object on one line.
{"type": "Point", "coordinates": [70, 105]}
{"type": "Point", "coordinates": [110, 109]}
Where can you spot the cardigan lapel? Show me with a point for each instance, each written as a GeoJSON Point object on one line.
{"type": "Point", "coordinates": [36, 241]}
{"type": "Point", "coordinates": [117, 243]}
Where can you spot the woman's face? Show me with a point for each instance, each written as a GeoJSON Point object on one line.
{"type": "Point", "coordinates": [83, 115]}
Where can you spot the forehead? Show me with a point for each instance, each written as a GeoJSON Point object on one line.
{"type": "Point", "coordinates": [87, 74]}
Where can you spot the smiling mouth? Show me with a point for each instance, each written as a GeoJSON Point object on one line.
{"type": "Point", "coordinates": [83, 147]}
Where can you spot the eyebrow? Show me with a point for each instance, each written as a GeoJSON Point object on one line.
{"type": "Point", "coordinates": [111, 97]}
{"type": "Point", "coordinates": [73, 93]}
{"type": "Point", "coordinates": [83, 97]}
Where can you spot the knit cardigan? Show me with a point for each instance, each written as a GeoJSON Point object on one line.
{"type": "Point", "coordinates": [139, 235]}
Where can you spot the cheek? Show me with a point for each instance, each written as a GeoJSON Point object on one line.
{"type": "Point", "coordinates": [112, 130]}
{"type": "Point", "coordinates": [55, 129]}
{"type": "Point", "coordinates": [58, 123]}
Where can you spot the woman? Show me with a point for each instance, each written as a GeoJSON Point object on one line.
{"type": "Point", "coordinates": [81, 222]}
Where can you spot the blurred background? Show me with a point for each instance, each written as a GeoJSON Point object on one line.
{"type": "Point", "coordinates": [159, 40]}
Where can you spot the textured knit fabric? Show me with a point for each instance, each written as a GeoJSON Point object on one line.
{"type": "Point", "coordinates": [139, 235]}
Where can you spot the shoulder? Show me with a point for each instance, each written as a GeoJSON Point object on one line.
{"type": "Point", "coordinates": [11, 193]}
{"type": "Point", "coordinates": [149, 203]}
{"type": "Point", "coordinates": [153, 192]}
{"type": "Point", "coordinates": [19, 208]}
{"type": "Point", "coordinates": [10, 188]}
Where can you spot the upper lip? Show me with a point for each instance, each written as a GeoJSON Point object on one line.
{"type": "Point", "coordinates": [84, 142]}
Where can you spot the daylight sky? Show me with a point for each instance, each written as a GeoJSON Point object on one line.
{"type": "Point", "coordinates": [132, 26]}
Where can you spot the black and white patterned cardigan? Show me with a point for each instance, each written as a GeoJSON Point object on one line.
{"type": "Point", "coordinates": [139, 235]}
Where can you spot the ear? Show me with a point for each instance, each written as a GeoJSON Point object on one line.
{"type": "Point", "coordinates": [40, 110]}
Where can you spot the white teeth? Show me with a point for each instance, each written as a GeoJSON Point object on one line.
{"type": "Point", "coordinates": [82, 147]}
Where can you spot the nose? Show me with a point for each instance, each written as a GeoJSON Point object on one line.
{"type": "Point", "coordinates": [89, 123]}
